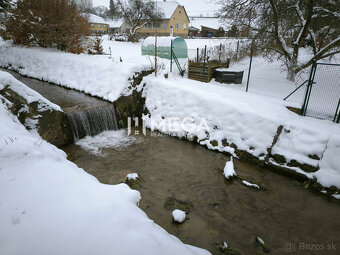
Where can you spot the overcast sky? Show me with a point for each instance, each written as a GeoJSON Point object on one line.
{"type": "Point", "coordinates": [193, 7]}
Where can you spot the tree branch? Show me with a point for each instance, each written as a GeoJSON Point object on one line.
{"type": "Point", "coordinates": [281, 42]}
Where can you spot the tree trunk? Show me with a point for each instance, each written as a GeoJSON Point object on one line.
{"type": "Point", "coordinates": [291, 69]}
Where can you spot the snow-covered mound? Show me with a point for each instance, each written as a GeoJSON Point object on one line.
{"type": "Point", "coordinates": [252, 185]}
{"type": "Point", "coordinates": [229, 170]}
{"type": "Point", "coordinates": [178, 215]}
{"type": "Point", "coordinates": [132, 177]}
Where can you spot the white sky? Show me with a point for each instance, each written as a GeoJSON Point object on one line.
{"type": "Point", "coordinates": [193, 7]}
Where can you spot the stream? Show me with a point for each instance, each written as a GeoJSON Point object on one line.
{"type": "Point", "coordinates": [173, 172]}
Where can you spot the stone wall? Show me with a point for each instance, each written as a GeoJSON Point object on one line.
{"type": "Point", "coordinates": [52, 125]}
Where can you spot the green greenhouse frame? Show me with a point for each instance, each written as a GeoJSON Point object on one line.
{"type": "Point", "coordinates": [179, 47]}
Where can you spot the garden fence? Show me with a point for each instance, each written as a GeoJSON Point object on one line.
{"type": "Point", "coordinates": [316, 90]}
{"type": "Point", "coordinates": [322, 98]}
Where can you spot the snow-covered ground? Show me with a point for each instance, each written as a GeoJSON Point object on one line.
{"type": "Point", "coordinates": [247, 120]}
{"type": "Point", "coordinates": [97, 75]}
{"type": "Point", "coordinates": [50, 206]}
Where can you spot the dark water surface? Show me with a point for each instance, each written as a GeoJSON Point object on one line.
{"type": "Point", "coordinates": [285, 214]}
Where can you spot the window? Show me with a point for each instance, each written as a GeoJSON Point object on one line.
{"type": "Point", "coordinates": [92, 25]}
{"type": "Point", "coordinates": [184, 26]}
{"type": "Point", "coordinates": [179, 12]}
{"type": "Point", "coordinates": [177, 26]}
{"type": "Point", "coordinates": [99, 26]}
{"type": "Point", "coordinates": [164, 25]}
{"type": "Point", "coordinates": [147, 25]}
{"type": "Point", "coordinates": [156, 25]}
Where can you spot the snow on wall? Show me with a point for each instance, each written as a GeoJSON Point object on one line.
{"type": "Point", "coordinates": [227, 116]}
{"type": "Point", "coordinates": [300, 143]}
{"type": "Point", "coordinates": [329, 172]}
{"type": "Point", "coordinates": [30, 95]}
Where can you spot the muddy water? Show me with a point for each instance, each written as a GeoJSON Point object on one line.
{"type": "Point", "coordinates": [284, 213]}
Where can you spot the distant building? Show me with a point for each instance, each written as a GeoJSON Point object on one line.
{"type": "Point", "coordinates": [115, 26]}
{"type": "Point", "coordinates": [97, 24]}
{"type": "Point", "coordinates": [204, 26]}
{"type": "Point", "coordinates": [175, 21]}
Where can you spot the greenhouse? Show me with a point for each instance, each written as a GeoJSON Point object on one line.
{"type": "Point", "coordinates": [179, 47]}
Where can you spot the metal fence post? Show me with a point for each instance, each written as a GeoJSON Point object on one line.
{"type": "Point", "coordinates": [251, 60]}
{"type": "Point", "coordinates": [171, 57]}
{"type": "Point", "coordinates": [337, 113]}
{"type": "Point", "coordinates": [309, 88]}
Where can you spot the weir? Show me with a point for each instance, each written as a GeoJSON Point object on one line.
{"type": "Point", "coordinates": [92, 121]}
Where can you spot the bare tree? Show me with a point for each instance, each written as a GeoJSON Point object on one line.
{"type": "Point", "coordinates": [4, 5]}
{"type": "Point", "coordinates": [286, 26]}
{"type": "Point", "coordinates": [84, 5]}
{"type": "Point", "coordinates": [137, 13]}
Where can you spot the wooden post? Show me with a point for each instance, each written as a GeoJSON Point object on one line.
{"type": "Point", "coordinates": [205, 55]}
{"type": "Point", "coordinates": [197, 55]}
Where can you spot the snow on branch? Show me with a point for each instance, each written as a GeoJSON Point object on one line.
{"type": "Point", "coordinates": [321, 9]}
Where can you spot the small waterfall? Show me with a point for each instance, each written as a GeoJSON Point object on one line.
{"type": "Point", "coordinates": [92, 121]}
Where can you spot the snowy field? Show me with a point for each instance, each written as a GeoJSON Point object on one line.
{"type": "Point", "coordinates": [50, 206]}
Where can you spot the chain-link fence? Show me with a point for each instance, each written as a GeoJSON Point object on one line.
{"type": "Point", "coordinates": [260, 75]}
{"type": "Point", "coordinates": [322, 98]}
{"type": "Point", "coordinates": [268, 77]}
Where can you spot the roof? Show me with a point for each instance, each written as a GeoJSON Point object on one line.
{"type": "Point", "coordinates": [167, 8]}
{"type": "Point", "coordinates": [115, 22]}
{"type": "Point", "coordinates": [198, 22]}
{"type": "Point", "coordinates": [95, 19]}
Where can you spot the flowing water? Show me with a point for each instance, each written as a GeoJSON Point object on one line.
{"type": "Point", "coordinates": [93, 121]}
{"type": "Point", "coordinates": [288, 217]}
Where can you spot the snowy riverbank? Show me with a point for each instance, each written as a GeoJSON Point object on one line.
{"type": "Point", "coordinates": [258, 125]}
{"type": "Point", "coordinates": [50, 206]}
{"type": "Point", "coordinates": [261, 126]}
{"type": "Point", "coordinates": [97, 75]}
